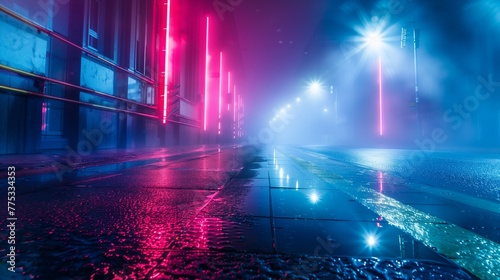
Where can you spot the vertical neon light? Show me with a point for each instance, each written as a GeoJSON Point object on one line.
{"type": "Point", "coordinates": [44, 116]}
{"type": "Point", "coordinates": [234, 104]}
{"type": "Point", "coordinates": [206, 80]}
{"type": "Point", "coordinates": [167, 52]}
{"type": "Point", "coordinates": [228, 88]}
{"type": "Point", "coordinates": [234, 111]}
{"type": "Point", "coordinates": [381, 122]}
{"type": "Point", "coordinates": [239, 110]}
{"type": "Point", "coordinates": [220, 91]}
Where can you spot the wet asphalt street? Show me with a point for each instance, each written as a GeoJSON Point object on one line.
{"type": "Point", "coordinates": [252, 213]}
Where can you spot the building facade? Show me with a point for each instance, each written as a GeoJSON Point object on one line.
{"type": "Point", "coordinates": [103, 74]}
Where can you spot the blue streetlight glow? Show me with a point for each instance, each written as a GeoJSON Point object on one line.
{"type": "Point", "coordinates": [373, 39]}
{"type": "Point", "coordinates": [371, 240]}
{"type": "Point", "coordinates": [315, 87]}
{"type": "Point", "coordinates": [314, 197]}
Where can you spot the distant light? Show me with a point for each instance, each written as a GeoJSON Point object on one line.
{"type": "Point", "coordinates": [288, 106]}
{"type": "Point", "coordinates": [315, 87]}
{"type": "Point", "coordinates": [314, 197]}
{"type": "Point", "coordinates": [282, 110]}
{"type": "Point", "coordinates": [373, 39]}
{"type": "Point", "coordinates": [298, 99]}
{"type": "Point", "coordinates": [371, 241]}
{"type": "Point", "coordinates": [325, 110]}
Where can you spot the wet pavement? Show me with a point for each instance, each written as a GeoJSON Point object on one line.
{"type": "Point", "coordinates": [242, 213]}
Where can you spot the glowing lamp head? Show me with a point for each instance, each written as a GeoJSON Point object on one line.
{"type": "Point", "coordinates": [373, 40]}
{"type": "Point", "coordinates": [314, 197]}
{"type": "Point", "coordinates": [371, 240]}
{"type": "Point", "coordinates": [315, 87]}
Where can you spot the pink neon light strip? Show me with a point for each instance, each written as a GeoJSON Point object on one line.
{"type": "Point", "coordinates": [381, 128]}
{"type": "Point", "coordinates": [234, 111]}
{"type": "Point", "coordinates": [239, 107]}
{"type": "Point", "coordinates": [220, 91]}
{"type": "Point", "coordinates": [234, 104]}
{"type": "Point", "coordinates": [44, 116]}
{"type": "Point", "coordinates": [228, 87]}
{"type": "Point", "coordinates": [167, 52]}
{"type": "Point", "coordinates": [220, 86]}
{"type": "Point", "coordinates": [206, 81]}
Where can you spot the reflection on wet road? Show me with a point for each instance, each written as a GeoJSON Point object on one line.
{"type": "Point", "coordinates": [465, 234]}
{"type": "Point", "coordinates": [277, 213]}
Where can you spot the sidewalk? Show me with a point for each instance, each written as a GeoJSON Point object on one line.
{"type": "Point", "coordinates": [31, 164]}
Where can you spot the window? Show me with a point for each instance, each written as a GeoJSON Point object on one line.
{"type": "Point", "coordinates": [101, 22]}
{"type": "Point", "coordinates": [143, 38]}
{"type": "Point", "coordinates": [52, 118]}
{"type": "Point", "coordinates": [93, 33]}
{"type": "Point", "coordinates": [150, 95]}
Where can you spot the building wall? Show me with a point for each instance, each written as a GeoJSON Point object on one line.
{"type": "Point", "coordinates": [92, 71]}
{"type": "Point", "coordinates": [98, 56]}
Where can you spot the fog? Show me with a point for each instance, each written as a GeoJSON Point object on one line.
{"type": "Point", "coordinates": [287, 45]}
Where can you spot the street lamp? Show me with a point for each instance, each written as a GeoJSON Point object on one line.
{"type": "Point", "coordinates": [404, 33]}
{"type": "Point", "coordinates": [315, 87]}
{"type": "Point", "coordinates": [374, 40]}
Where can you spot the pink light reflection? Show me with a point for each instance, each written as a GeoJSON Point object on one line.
{"type": "Point", "coordinates": [381, 181]}
{"type": "Point", "coordinates": [380, 189]}
{"type": "Point", "coordinates": [44, 116]}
